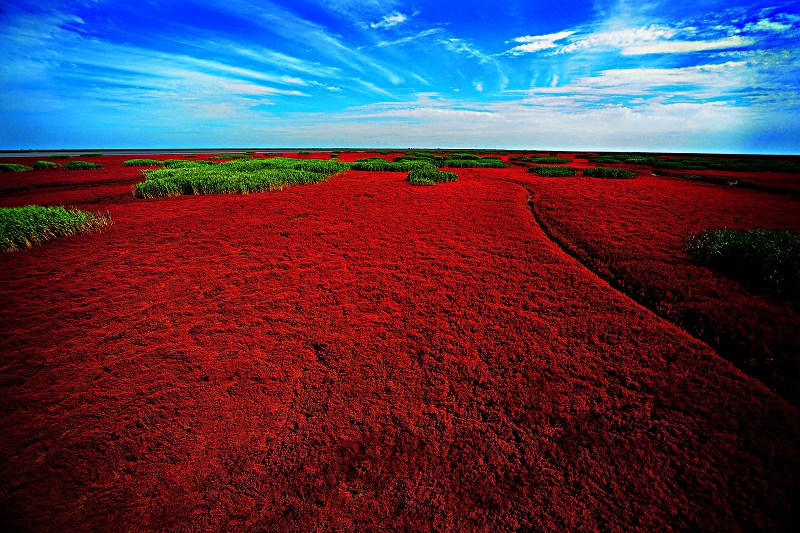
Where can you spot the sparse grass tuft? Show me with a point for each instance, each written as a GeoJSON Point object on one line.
{"type": "Point", "coordinates": [614, 173]}
{"type": "Point", "coordinates": [143, 163]}
{"type": "Point", "coordinates": [23, 227]}
{"type": "Point", "coordinates": [430, 176]}
{"type": "Point", "coordinates": [14, 167]}
{"type": "Point", "coordinates": [769, 260]}
{"type": "Point", "coordinates": [81, 165]}
{"type": "Point", "coordinates": [553, 171]}
{"type": "Point", "coordinates": [45, 164]}
{"type": "Point", "coordinates": [238, 176]}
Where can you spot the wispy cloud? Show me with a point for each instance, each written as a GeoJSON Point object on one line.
{"type": "Point", "coordinates": [535, 43]}
{"type": "Point", "coordinates": [410, 38]}
{"type": "Point", "coordinates": [767, 25]}
{"type": "Point", "coordinates": [389, 21]}
{"type": "Point", "coordinates": [685, 47]}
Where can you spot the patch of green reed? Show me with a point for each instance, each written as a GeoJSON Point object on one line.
{"type": "Point", "coordinates": [769, 260]}
{"type": "Point", "coordinates": [23, 227]}
{"type": "Point", "coordinates": [481, 162]}
{"type": "Point", "coordinates": [232, 156]}
{"type": "Point", "coordinates": [377, 164]}
{"type": "Point", "coordinates": [45, 164]}
{"type": "Point", "coordinates": [81, 165]}
{"type": "Point", "coordinates": [14, 167]}
{"type": "Point", "coordinates": [182, 163]}
{"type": "Point", "coordinates": [547, 171]}
{"type": "Point", "coordinates": [92, 154]}
{"type": "Point", "coordinates": [544, 160]}
{"type": "Point", "coordinates": [614, 173]}
{"type": "Point", "coordinates": [143, 163]}
{"type": "Point", "coordinates": [430, 176]}
{"type": "Point", "coordinates": [59, 156]}
{"type": "Point", "coordinates": [237, 176]}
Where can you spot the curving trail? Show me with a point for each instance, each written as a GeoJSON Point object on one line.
{"type": "Point", "coordinates": [360, 355]}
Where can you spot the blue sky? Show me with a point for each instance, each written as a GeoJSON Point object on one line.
{"type": "Point", "coordinates": [671, 75]}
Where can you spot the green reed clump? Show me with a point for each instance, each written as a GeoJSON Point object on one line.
{"type": "Point", "coordinates": [377, 164]}
{"type": "Point", "coordinates": [143, 163]}
{"type": "Point", "coordinates": [480, 162]}
{"type": "Point", "coordinates": [430, 176]}
{"type": "Point", "coordinates": [614, 173]}
{"type": "Point", "coordinates": [23, 227]}
{"type": "Point", "coordinates": [232, 156]}
{"type": "Point", "coordinates": [182, 163]}
{"type": "Point", "coordinates": [768, 260]}
{"type": "Point", "coordinates": [92, 154]}
{"type": "Point", "coordinates": [81, 165]}
{"type": "Point", "coordinates": [544, 160]}
{"type": "Point", "coordinates": [237, 176]}
{"type": "Point", "coordinates": [547, 171]}
{"type": "Point", "coordinates": [45, 164]}
{"type": "Point", "coordinates": [14, 167]}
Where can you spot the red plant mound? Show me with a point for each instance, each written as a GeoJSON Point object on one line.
{"type": "Point", "coordinates": [363, 354]}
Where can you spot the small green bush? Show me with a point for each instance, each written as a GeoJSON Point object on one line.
{"type": "Point", "coordinates": [23, 227]}
{"type": "Point", "coordinates": [81, 165]}
{"type": "Point", "coordinates": [45, 164]}
{"type": "Point", "coordinates": [553, 171]}
{"type": "Point", "coordinates": [143, 163]}
{"type": "Point", "coordinates": [430, 176]}
{"type": "Point", "coordinates": [614, 173]}
{"type": "Point", "coordinates": [769, 260]}
{"type": "Point", "coordinates": [14, 167]}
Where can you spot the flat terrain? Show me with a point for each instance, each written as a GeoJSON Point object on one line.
{"type": "Point", "coordinates": [362, 354]}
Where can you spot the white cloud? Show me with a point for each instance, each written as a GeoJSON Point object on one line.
{"type": "Point", "coordinates": [410, 38]}
{"type": "Point", "coordinates": [389, 21]}
{"type": "Point", "coordinates": [621, 38]}
{"type": "Point", "coordinates": [684, 47]}
{"type": "Point", "coordinates": [767, 25]}
{"type": "Point", "coordinates": [535, 43]}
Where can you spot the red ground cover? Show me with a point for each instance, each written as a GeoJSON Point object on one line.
{"type": "Point", "coordinates": [633, 231]}
{"type": "Point", "coordinates": [363, 354]}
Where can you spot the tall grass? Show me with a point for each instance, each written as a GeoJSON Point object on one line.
{"type": "Point", "coordinates": [430, 176]}
{"type": "Point", "coordinates": [45, 164]}
{"type": "Point", "coordinates": [544, 160]}
{"type": "Point", "coordinates": [614, 173]}
{"type": "Point", "coordinates": [143, 163]}
{"type": "Point", "coordinates": [377, 164]}
{"type": "Point", "coordinates": [81, 165]}
{"type": "Point", "coordinates": [481, 162]}
{"type": "Point", "coordinates": [23, 227]}
{"type": "Point", "coordinates": [182, 163]}
{"type": "Point", "coordinates": [14, 167]}
{"type": "Point", "coordinates": [769, 260]}
{"type": "Point", "coordinates": [238, 176]}
{"type": "Point", "coordinates": [553, 171]}
{"type": "Point", "coordinates": [220, 157]}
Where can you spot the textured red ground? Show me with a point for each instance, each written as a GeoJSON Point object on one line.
{"type": "Point", "coordinates": [361, 354]}
{"type": "Point", "coordinates": [633, 231]}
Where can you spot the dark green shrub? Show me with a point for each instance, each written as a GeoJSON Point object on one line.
{"type": "Point", "coordinates": [765, 259]}
{"type": "Point", "coordinates": [45, 164]}
{"type": "Point", "coordinates": [81, 165]}
{"type": "Point", "coordinates": [553, 171]}
{"type": "Point", "coordinates": [430, 176]}
{"type": "Point", "coordinates": [14, 167]}
{"type": "Point", "coordinates": [614, 173]}
{"type": "Point", "coordinates": [23, 227]}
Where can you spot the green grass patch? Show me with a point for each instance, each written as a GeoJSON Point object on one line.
{"type": "Point", "coordinates": [237, 176]}
{"type": "Point", "coordinates": [614, 173]}
{"type": "Point", "coordinates": [143, 163]}
{"type": "Point", "coordinates": [92, 154]}
{"type": "Point", "coordinates": [480, 162]}
{"type": "Point", "coordinates": [23, 227]}
{"type": "Point", "coordinates": [430, 176]}
{"type": "Point", "coordinates": [232, 156]}
{"type": "Point", "coordinates": [377, 164]}
{"type": "Point", "coordinates": [14, 167]}
{"type": "Point", "coordinates": [768, 260]}
{"type": "Point", "coordinates": [182, 163]}
{"type": "Point", "coordinates": [544, 160]}
{"type": "Point", "coordinates": [462, 156]}
{"type": "Point", "coordinates": [45, 164]}
{"type": "Point", "coordinates": [553, 171]}
{"type": "Point", "coordinates": [59, 156]}
{"type": "Point", "coordinates": [81, 165]}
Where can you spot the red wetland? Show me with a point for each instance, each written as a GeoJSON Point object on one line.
{"type": "Point", "coordinates": [505, 352]}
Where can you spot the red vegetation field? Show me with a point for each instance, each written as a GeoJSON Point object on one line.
{"type": "Point", "coordinates": [363, 354]}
